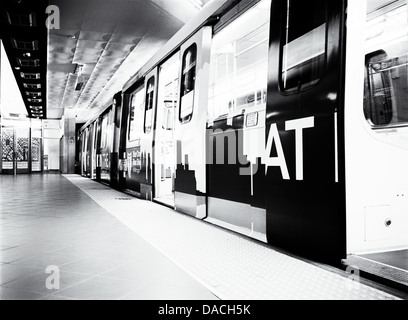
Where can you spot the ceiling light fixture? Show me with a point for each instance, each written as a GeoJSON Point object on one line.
{"type": "Point", "coordinates": [79, 83]}
{"type": "Point", "coordinates": [78, 69]}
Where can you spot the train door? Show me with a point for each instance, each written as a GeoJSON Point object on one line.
{"type": "Point", "coordinates": [85, 157]}
{"type": "Point", "coordinates": [117, 106]}
{"type": "Point", "coordinates": [133, 163]}
{"type": "Point", "coordinates": [145, 153]}
{"type": "Point", "coordinates": [164, 144]}
{"type": "Point", "coordinates": [304, 173]}
{"type": "Point", "coordinates": [190, 181]}
{"type": "Point", "coordinates": [106, 144]}
{"type": "Point", "coordinates": [81, 142]}
{"type": "Point", "coordinates": [376, 127]}
{"type": "Point", "coordinates": [82, 152]}
{"type": "Point", "coordinates": [89, 151]}
{"type": "Point", "coordinates": [139, 113]}
{"type": "Point", "coordinates": [236, 123]}
{"type": "Point", "coordinates": [94, 149]}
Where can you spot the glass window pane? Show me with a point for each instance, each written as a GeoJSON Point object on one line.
{"type": "Point", "coordinates": [149, 106]}
{"type": "Point", "coordinates": [303, 47]}
{"type": "Point", "coordinates": [188, 78]}
{"type": "Point", "coordinates": [386, 83]}
{"type": "Point", "coordinates": [239, 64]}
{"type": "Point", "coordinates": [104, 129]}
{"type": "Point", "coordinates": [136, 115]}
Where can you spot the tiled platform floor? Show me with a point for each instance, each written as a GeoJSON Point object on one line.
{"type": "Point", "coordinates": [45, 220]}
{"type": "Point", "coordinates": [108, 245]}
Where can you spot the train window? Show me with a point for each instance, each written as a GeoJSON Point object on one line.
{"type": "Point", "coordinates": [85, 140]}
{"type": "Point", "coordinates": [148, 119]}
{"type": "Point", "coordinates": [170, 102]}
{"type": "Point", "coordinates": [110, 127]}
{"type": "Point", "coordinates": [386, 76]}
{"type": "Point", "coordinates": [104, 130]}
{"type": "Point", "coordinates": [239, 64]}
{"type": "Point", "coordinates": [303, 44]}
{"type": "Point", "coordinates": [136, 114]}
{"type": "Point", "coordinates": [188, 78]}
{"type": "Point", "coordinates": [95, 126]}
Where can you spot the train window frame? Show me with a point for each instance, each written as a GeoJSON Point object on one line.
{"type": "Point", "coordinates": [111, 125]}
{"type": "Point", "coordinates": [104, 130]}
{"type": "Point", "coordinates": [238, 76]}
{"type": "Point", "coordinates": [187, 118]}
{"type": "Point", "coordinates": [385, 68]}
{"type": "Point", "coordinates": [138, 126]}
{"type": "Point", "coordinates": [95, 141]}
{"type": "Point", "coordinates": [149, 107]}
{"type": "Point", "coordinates": [284, 29]}
{"type": "Point", "coordinates": [371, 107]}
{"type": "Point", "coordinates": [130, 120]}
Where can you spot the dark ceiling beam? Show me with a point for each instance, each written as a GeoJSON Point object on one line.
{"type": "Point", "coordinates": [24, 36]}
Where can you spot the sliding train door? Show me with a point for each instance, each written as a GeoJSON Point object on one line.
{"type": "Point", "coordinates": [236, 123]}
{"type": "Point", "coordinates": [377, 138]}
{"type": "Point", "coordinates": [304, 166]}
{"type": "Point", "coordinates": [136, 150]}
{"type": "Point", "coordinates": [94, 148]}
{"type": "Point", "coordinates": [87, 151]}
{"type": "Point", "coordinates": [190, 181]}
{"type": "Point", "coordinates": [106, 144]}
{"type": "Point", "coordinates": [117, 106]}
{"type": "Point", "coordinates": [83, 137]}
{"type": "Point", "coordinates": [164, 142]}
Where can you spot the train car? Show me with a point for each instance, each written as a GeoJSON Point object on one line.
{"type": "Point", "coordinates": [98, 144]}
{"type": "Point", "coordinates": [286, 121]}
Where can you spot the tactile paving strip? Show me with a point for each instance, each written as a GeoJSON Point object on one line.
{"type": "Point", "coordinates": [231, 266]}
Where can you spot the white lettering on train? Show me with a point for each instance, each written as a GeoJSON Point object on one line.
{"type": "Point", "coordinates": [298, 126]}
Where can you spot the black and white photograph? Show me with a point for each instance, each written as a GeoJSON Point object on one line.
{"type": "Point", "coordinates": [204, 156]}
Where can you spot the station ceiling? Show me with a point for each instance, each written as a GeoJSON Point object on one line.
{"type": "Point", "coordinates": [77, 54]}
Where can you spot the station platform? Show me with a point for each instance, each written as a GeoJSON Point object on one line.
{"type": "Point", "coordinates": [106, 244]}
